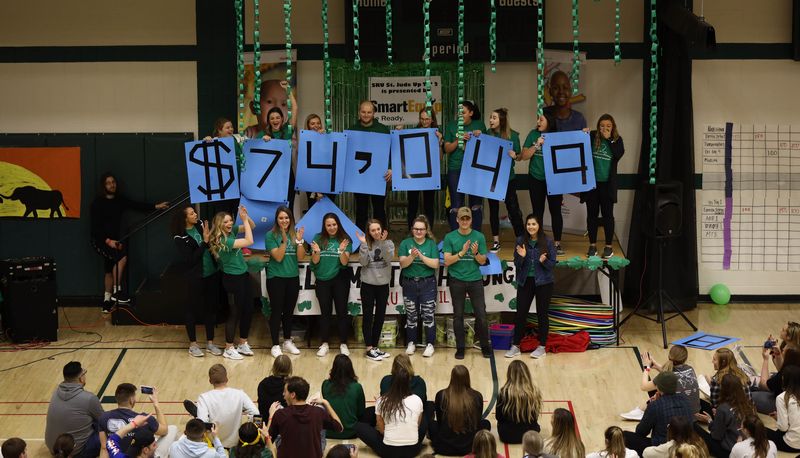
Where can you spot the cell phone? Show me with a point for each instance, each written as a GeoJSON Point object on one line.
{"type": "Point", "coordinates": [258, 420]}
{"type": "Point", "coordinates": [147, 389]}
{"type": "Point", "coordinates": [209, 426]}
{"type": "Point", "coordinates": [769, 344]}
{"type": "Point", "coordinates": [351, 447]}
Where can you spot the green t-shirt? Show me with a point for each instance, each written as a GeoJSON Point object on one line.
{"type": "Point", "coordinates": [374, 127]}
{"type": "Point", "coordinates": [455, 158]}
{"type": "Point", "coordinates": [536, 164]}
{"type": "Point", "coordinates": [602, 160]}
{"type": "Point", "coordinates": [531, 245]}
{"type": "Point", "coordinates": [349, 406]}
{"type": "Point", "coordinates": [209, 267]}
{"type": "Point", "coordinates": [329, 264]}
{"type": "Point", "coordinates": [282, 134]}
{"type": "Point", "coordinates": [417, 267]}
{"type": "Point", "coordinates": [287, 267]}
{"type": "Point", "coordinates": [466, 268]}
{"type": "Point", "coordinates": [231, 260]}
{"type": "Point", "coordinates": [515, 141]}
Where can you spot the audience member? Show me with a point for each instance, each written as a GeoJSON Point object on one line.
{"type": "Point", "coordinates": [564, 441]}
{"type": "Point", "coordinates": [484, 446]}
{"type": "Point", "coordinates": [615, 445]}
{"type": "Point", "coordinates": [224, 406]}
{"type": "Point", "coordinates": [65, 446]}
{"type": "Point", "coordinates": [688, 451]}
{"type": "Point", "coordinates": [195, 442]}
{"type": "Point", "coordinates": [345, 395]}
{"type": "Point", "coordinates": [518, 404]}
{"type": "Point", "coordinates": [254, 442]}
{"type": "Point", "coordinates": [787, 436]}
{"type": "Point", "coordinates": [417, 384]}
{"type": "Point", "coordinates": [14, 447]}
{"type": "Point", "coordinates": [754, 443]}
{"type": "Point", "coordinates": [343, 451]}
{"type": "Point", "coordinates": [74, 411]}
{"type": "Point", "coordinates": [687, 378]}
{"type": "Point", "coordinates": [270, 389]}
{"type": "Point", "coordinates": [533, 445]}
{"type": "Point", "coordinates": [724, 362]}
{"type": "Point", "coordinates": [113, 420]}
{"type": "Point", "coordinates": [142, 445]}
{"type": "Point", "coordinates": [458, 415]}
{"type": "Point", "coordinates": [770, 385]}
{"type": "Point", "coordinates": [679, 431]}
{"type": "Point", "coordinates": [728, 416]}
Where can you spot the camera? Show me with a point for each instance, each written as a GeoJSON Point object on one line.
{"type": "Point", "coordinates": [147, 389]}
{"type": "Point", "coordinates": [258, 420]}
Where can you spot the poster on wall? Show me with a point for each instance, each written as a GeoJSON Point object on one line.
{"type": "Point", "coordinates": [399, 99]}
{"type": "Point", "coordinates": [561, 62]}
{"type": "Point", "coordinates": [40, 182]}
{"type": "Point", "coordinates": [272, 94]}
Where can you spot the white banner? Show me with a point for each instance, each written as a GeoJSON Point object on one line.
{"type": "Point", "coordinates": [399, 99]}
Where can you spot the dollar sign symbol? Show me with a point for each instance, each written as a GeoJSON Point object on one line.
{"type": "Point", "coordinates": [222, 184]}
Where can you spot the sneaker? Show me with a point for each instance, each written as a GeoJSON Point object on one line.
{"type": "Point", "coordinates": [121, 297]}
{"type": "Point", "coordinates": [232, 353]}
{"type": "Point", "coordinates": [608, 252]}
{"type": "Point", "coordinates": [289, 347]}
{"type": "Point", "coordinates": [108, 306]}
{"type": "Point", "coordinates": [459, 353]}
{"type": "Point", "coordinates": [276, 351]}
{"type": "Point", "coordinates": [560, 251]}
{"type": "Point", "coordinates": [195, 351]}
{"type": "Point", "coordinates": [344, 350]}
{"type": "Point", "coordinates": [495, 246]}
{"type": "Point", "coordinates": [382, 353]}
{"type": "Point", "coordinates": [213, 349]}
{"type": "Point", "coordinates": [190, 407]}
{"type": "Point", "coordinates": [513, 351]}
{"type": "Point", "coordinates": [323, 350]}
{"type": "Point", "coordinates": [244, 349]}
{"type": "Point", "coordinates": [592, 251]}
{"type": "Point", "coordinates": [539, 352]}
{"type": "Point", "coordinates": [428, 351]}
{"type": "Point", "coordinates": [636, 414]}
{"type": "Point", "coordinates": [486, 352]}
{"type": "Point", "coordinates": [411, 348]}
{"type": "Point", "coordinates": [373, 355]}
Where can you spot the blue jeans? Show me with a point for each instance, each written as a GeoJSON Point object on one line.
{"type": "Point", "coordinates": [458, 200]}
{"type": "Point", "coordinates": [419, 297]}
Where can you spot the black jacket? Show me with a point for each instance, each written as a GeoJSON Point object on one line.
{"type": "Point", "coordinates": [617, 151]}
{"type": "Point", "coordinates": [190, 254]}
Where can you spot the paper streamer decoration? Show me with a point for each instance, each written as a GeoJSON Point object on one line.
{"type": "Point", "coordinates": [320, 162]}
{"type": "Point", "coordinates": [312, 222]}
{"type": "Point", "coordinates": [268, 166]}
{"type": "Point", "coordinates": [415, 159]}
{"type": "Point", "coordinates": [366, 162]}
{"type": "Point", "coordinates": [493, 265]}
{"type": "Point", "coordinates": [263, 214]}
{"type": "Point", "coordinates": [568, 165]}
{"type": "Point", "coordinates": [486, 167]}
{"type": "Point", "coordinates": [211, 170]}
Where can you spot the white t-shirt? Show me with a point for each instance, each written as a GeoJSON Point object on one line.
{"type": "Point", "coordinates": [225, 407]}
{"type": "Point", "coordinates": [603, 454]}
{"type": "Point", "coordinates": [788, 420]}
{"type": "Point", "coordinates": [744, 449]}
{"type": "Point", "coordinates": [402, 430]}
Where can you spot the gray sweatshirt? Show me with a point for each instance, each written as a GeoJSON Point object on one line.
{"type": "Point", "coordinates": [376, 262]}
{"type": "Point", "coordinates": [185, 448]}
{"type": "Point", "coordinates": [72, 410]}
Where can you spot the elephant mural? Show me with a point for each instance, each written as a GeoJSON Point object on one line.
{"type": "Point", "coordinates": [37, 199]}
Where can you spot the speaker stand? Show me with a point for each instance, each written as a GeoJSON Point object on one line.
{"type": "Point", "coordinates": [660, 296]}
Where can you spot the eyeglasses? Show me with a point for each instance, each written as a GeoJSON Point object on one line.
{"type": "Point", "coordinates": [419, 229]}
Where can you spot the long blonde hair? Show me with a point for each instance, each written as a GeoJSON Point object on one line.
{"type": "Point", "coordinates": [216, 240]}
{"type": "Point", "coordinates": [615, 443]}
{"type": "Point", "coordinates": [726, 361]}
{"type": "Point", "coordinates": [677, 356]}
{"type": "Point", "coordinates": [687, 450]}
{"type": "Point", "coordinates": [565, 442]}
{"type": "Point", "coordinates": [484, 445]}
{"type": "Point", "coordinates": [521, 399]}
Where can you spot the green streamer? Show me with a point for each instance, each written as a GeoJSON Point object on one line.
{"type": "Point", "coordinates": [389, 31]}
{"type": "Point", "coordinates": [653, 91]}
{"type": "Point", "coordinates": [357, 56]}
{"type": "Point", "coordinates": [539, 58]}
{"type": "Point", "coordinates": [238, 5]}
{"type": "Point", "coordinates": [287, 30]}
{"type": "Point", "coordinates": [493, 36]}
{"type": "Point", "coordinates": [426, 14]}
{"type": "Point", "coordinates": [460, 71]}
{"type": "Point", "coordinates": [256, 59]}
{"type": "Point", "coordinates": [617, 51]}
{"type": "Point", "coordinates": [326, 65]}
{"type": "Point", "coordinates": [576, 53]}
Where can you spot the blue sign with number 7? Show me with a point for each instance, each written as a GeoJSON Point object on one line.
{"type": "Point", "coordinates": [266, 176]}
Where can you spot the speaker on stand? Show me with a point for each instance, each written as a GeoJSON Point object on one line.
{"type": "Point", "coordinates": [663, 223]}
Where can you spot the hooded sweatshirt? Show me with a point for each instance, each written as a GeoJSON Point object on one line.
{"type": "Point", "coordinates": [224, 407]}
{"type": "Point", "coordinates": [186, 448]}
{"type": "Point", "coordinates": [72, 410]}
{"type": "Point", "coordinates": [270, 390]}
{"type": "Point", "coordinates": [299, 427]}
{"type": "Point", "coordinates": [376, 262]}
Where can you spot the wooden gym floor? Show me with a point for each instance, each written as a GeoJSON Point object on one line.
{"type": "Point", "coordinates": [595, 385]}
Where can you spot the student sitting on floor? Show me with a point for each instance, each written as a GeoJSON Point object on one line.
{"type": "Point", "coordinates": [458, 415]}
{"type": "Point", "coordinates": [564, 441]}
{"type": "Point", "coordinates": [615, 445]}
{"type": "Point", "coordinates": [484, 446]}
{"type": "Point", "coordinates": [518, 404]}
{"type": "Point", "coordinates": [733, 406]}
{"type": "Point", "coordinates": [679, 431]}
{"type": "Point", "coordinates": [195, 442]}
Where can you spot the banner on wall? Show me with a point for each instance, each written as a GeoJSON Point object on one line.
{"type": "Point", "coordinates": [399, 99]}
{"type": "Point", "coordinates": [273, 71]}
{"type": "Point", "coordinates": [40, 182]}
{"type": "Point", "coordinates": [561, 61]}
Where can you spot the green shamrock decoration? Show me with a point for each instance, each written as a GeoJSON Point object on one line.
{"type": "Point", "coordinates": [512, 304]}
{"type": "Point", "coordinates": [354, 308]}
{"type": "Point", "coordinates": [266, 309]}
{"type": "Point", "coordinates": [499, 297]}
{"type": "Point", "coordinates": [305, 305]}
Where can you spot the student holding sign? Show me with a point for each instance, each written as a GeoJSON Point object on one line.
{"type": "Point", "coordinates": [375, 254]}
{"type": "Point", "coordinates": [314, 122]}
{"type": "Point", "coordinates": [471, 117]}
{"type": "Point", "coordinates": [368, 123]}
{"type": "Point", "coordinates": [532, 149]}
{"type": "Point", "coordinates": [464, 253]}
{"type": "Point", "coordinates": [419, 259]}
{"type": "Point", "coordinates": [285, 247]}
{"type": "Point", "coordinates": [223, 127]}
{"type": "Point", "coordinates": [427, 120]}
{"type": "Point", "coordinates": [278, 129]}
{"type": "Point", "coordinates": [499, 126]}
{"type": "Point", "coordinates": [607, 150]}
{"type": "Point", "coordinates": [330, 253]}
{"type": "Point", "coordinates": [227, 250]}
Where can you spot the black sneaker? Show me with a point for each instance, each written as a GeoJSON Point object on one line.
{"type": "Point", "coordinates": [592, 251]}
{"type": "Point", "coordinates": [373, 355]}
{"type": "Point", "coordinates": [108, 306]}
{"type": "Point", "coordinates": [459, 353]}
{"type": "Point", "coordinates": [495, 246]}
{"type": "Point", "coordinates": [560, 251]}
{"type": "Point", "coordinates": [190, 407]}
{"type": "Point", "coordinates": [486, 352]}
{"type": "Point", "coordinates": [121, 297]}
{"type": "Point", "coordinates": [608, 252]}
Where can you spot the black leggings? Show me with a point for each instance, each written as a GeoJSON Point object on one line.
{"type": "Point", "coordinates": [525, 294]}
{"type": "Point", "coordinates": [599, 200]}
{"type": "Point", "coordinates": [538, 193]}
{"type": "Point", "coordinates": [514, 213]}
{"type": "Point", "coordinates": [373, 296]}
{"type": "Point", "coordinates": [203, 292]}
{"type": "Point", "coordinates": [362, 209]}
{"type": "Point", "coordinates": [283, 294]}
{"type": "Point", "coordinates": [413, 205]}
{"type": "Point", "coordinates": [241, 309]}
{"type": "Point", "coordinates": [334, 292]}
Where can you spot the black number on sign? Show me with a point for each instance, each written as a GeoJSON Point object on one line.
{"type": "Point", "coordinates": [494, 169]}
{"type": "Point", "coordinates": [331, 166]}
{"type": "Point", "coordinates": [276, 157]}
{"type": "Point", "coordinates": [214, 181]}
{"type": "Point", "coordinates": [581, 168]}
{"type": "Point", "coordinates": [365, 156]}
{"type": "Point", "coordinates": [428, 169]}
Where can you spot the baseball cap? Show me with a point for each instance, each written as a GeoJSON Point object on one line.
{"type": "Point", "coordinates": [464, 211]}
{"type": "Point", "coordinates": [142, 437]}
{"type": "Point", "coordinates": [666, 382]}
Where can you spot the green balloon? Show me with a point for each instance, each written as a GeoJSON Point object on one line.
{"type": "Point", "coordinates": [720, 294]}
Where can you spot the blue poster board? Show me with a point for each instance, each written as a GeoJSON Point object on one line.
{"type": "Point", "coordinates": [493, 265]}
{"type": "Point", "coordinates": [415, 160]}
{"type": "Point", "coordinates": [486, 167]}
{"type": "Point", "coordinates": [367, 162]}
{"type": "Point", "coordinates": [211, 170]}
{"type": "Point", "coordinates": [321, 162]}
{"type": "Point", "coordinates": [705, 341]}
{"type": "Point", "coordinates": [263, 214]}
{"type": "Point", "coordinates": [312, 221]}
{"type": "Point", "coordinates": [568, 165]}
{"type": "Point", "coordinates": [266, 176]}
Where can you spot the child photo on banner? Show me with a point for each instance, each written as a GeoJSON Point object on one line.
{"type": "Point", "coordinates": [321, 162]}
{"type": "Point", "coordinates": [568, 164]}
{"type": "Point", "coordinates": [211, 170]}
{"type": "Point", "coordinates": [415, 155]}
{"type": "Point", "coordinates": [367, 162]}
{"type": "Point", "coordinates": [266, 176]}
{"type": "Point", "coordinates": [272, 67]}
{"type": "Point", "coordinates": [486, 168]}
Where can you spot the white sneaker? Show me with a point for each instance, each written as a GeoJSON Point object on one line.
{"type": "Point", "coordinates": [289, 347]}
{"type": "Point", "coordinates": [276, 351]}
{"type": "Point", "coordinates": [344, 350]}
{"type": "Point", "coordinates": [512, 352]}
{"type": "Point", "coordinates": [323, 350]}
{"type": "Point", "coordinates": [539, 352]}
{"type": "Point", "coordinates": [428, 351]}
{"type": "Point", "coordinates": [231, 353]}
{"type": "Point", "coordinates": [636, 414]}
{"type": "Point", "coordinates": [411, 348]}
{"type": "Point", "coordinates": [383, 354]}
{"type": "Point", "coordinates": [244, 349]}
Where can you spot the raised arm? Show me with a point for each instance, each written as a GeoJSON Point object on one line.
{"type": "Point", "coordinates": [248, 230]}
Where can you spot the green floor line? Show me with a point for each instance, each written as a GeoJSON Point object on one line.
{"type": "Point", "coordinates": [111, 373]}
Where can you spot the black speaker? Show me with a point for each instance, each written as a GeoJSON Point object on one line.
{"type": "Point", "coordinates": [664, 217]}
{"type": "Point", "coordinates": [30, 305]}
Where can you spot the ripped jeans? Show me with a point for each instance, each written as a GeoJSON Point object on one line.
{"type": "Point", "coordinates": [419, 297]}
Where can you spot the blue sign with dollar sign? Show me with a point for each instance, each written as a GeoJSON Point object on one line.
{"type": "Point", "coordinates": [211, 170]}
